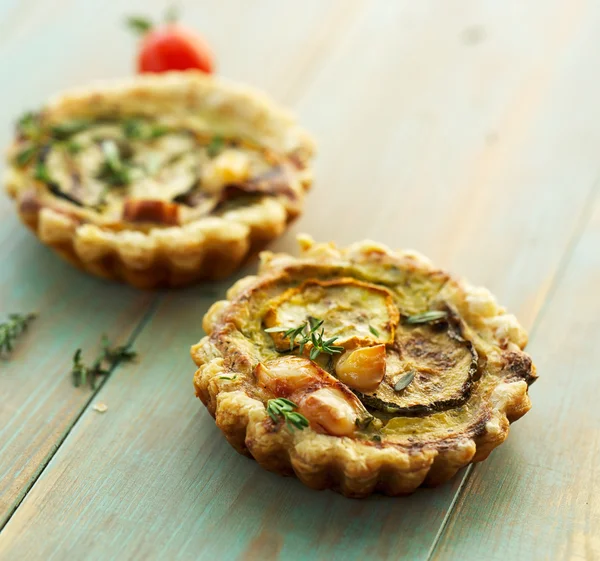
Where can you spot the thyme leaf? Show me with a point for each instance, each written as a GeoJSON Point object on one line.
{"type": "Point", "coordinates": [281, 408]}
{"type": "Point", "coordinates": [215, 146]}
{"type": "Point", "coordinates": [28, 126]}
{"type": "Point", "coordinates": [431, 316]}
{"type": "Point", "coordinates": [373, 331]}
{"type": "Point", "coordinates": [73, 147]}
{"type": "Point", "coordinates": [137, 129]}
{"type": "Point", "coordinates": [404, 381]}
{"type": "Point", "coordinates": [64, 131]}
{"type": "Point", "coordinates": [26, 155]}
{"type": "Point", "coordinates": [11, 329]}
{"type": "Point", "coordinates": [42, 174]}
{"type": "Point", "coordinates": [113, 171]}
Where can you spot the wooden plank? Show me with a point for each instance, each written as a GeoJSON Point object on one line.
{"type": "Point", "coordinates": [539, 499]}
{"type": "Point", "coordinates": [38, 405]}
{"type": "Point", "coordinates": [419, 125]}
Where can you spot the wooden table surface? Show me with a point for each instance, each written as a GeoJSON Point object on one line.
{"type": "Point", "coordinates": [469, 130]}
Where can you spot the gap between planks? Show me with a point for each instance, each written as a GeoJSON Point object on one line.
{"type": "Point", "coordinates": [134, 335]}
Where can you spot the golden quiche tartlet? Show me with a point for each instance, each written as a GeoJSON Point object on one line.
{"type": "Point", "coordinates": [361, 369]}
{"type": "Point", "coordinates": [159, 180]}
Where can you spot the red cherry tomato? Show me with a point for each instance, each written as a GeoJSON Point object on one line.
{"type": "Point", "coordinates": [174, 47]}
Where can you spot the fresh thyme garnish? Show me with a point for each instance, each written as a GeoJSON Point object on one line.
{"type": "Point", "coordinates": [364, 422]}
{"type": "Point", "coordinates": [108, 358]}
{"type": "Point", "coordinates": [132, 128]}
{"type": "Point", "coordinates": [136, 129]}
{"type": "Point", "coordinates": [216, 145]}
{"type": "Point", "coordinates": [426, 317]}
{"type": "Point", "coordinates": [404, 381]}
{"type": "Point", "coordinates": [26, 155]}
{"type": "Point", "coordinates": [29, 126]}
{"type": "Point", "coordinates": [228, 377]}
{"type": "Point", "coordinates": [156, 131]}
{"type": "Point", "coordinates": [373, 331]}
{"type": "Point", "coordinates": [284, 408]}
{"type": "Point", "coordinates": [114, 170]}
{"type": "Point", "coordinates": [11, 329]}
{"type": "Point", "coordinates": [64, 131]}
{"type": "Point", "coordinates": [42, 174]}
{"type": "Point", "coordinates": [73, 147]}
{"type": "Point", "coordinates": [323, 346]}
{"type": "Point", "coordinates": [309, 333]}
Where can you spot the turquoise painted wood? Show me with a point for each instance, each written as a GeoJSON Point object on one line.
{"type": "Point", "coordinates": [440, 127]}
{"type": "Point", "coordinates": [544, 487]}
{"type": "Point", "coordinates": [38, 404]}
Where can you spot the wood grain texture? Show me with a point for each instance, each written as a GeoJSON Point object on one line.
{"type": "Point", "coordinates": [539, 499]}
{"type": "Point", "coordinates": [439, 127]}
{"type": "Point", "coordinates": [38, 405]}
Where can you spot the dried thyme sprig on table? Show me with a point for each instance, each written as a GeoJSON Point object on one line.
{"type": "Point", "coordinates": [108, 358]}
{"type": "Point", "coordinates": [11, 329]}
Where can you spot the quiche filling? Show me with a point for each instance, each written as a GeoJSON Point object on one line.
{"type": "Point", "coordinates": [374, 360]}
{"type": "Point", "coordinates": [407, 367]}
{"type": "Point", "coordinates": [147, 171]}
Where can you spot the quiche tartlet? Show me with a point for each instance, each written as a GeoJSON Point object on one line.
{"type": "Point", "coordinates": [361, 369]}
{"type": "Point", "coordinates": [159, 180]}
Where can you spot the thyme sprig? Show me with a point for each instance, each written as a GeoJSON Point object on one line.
{"type": "Point", "coordinates": [215, 146]}
{"type": "Point", "coordinates": [108, 358]}
{"type": "Point", "coordinates": [64, 131]}
{"type": "Point", "coordinates": [26, 155]}
{"type": "Point", "coordinates": [404, 381]}
{"type": "Point", "coordinates": [114, 170]}
{"type": "Point", "coordinates": [29, 126]}
{"type": "Point", "coordinates": [308, 332]}
{"type": "Point", "coordinates": [284, 408]}
{"type": "Point", "coordinates": [431, 316]}
{"type": "Point", "coordinates": [137, 129]}
{"type": "Point", "coordinates": [11, 329]}
{"type": "Point", "coordinates": [41, 173]}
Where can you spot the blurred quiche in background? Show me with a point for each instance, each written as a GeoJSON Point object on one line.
{"type": "Point", "coordinates": [159, 180]}
{"type": "Point", "coordinates": [362, 369]}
